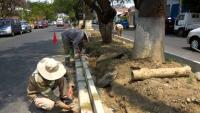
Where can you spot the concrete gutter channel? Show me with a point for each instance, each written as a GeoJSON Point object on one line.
{"type": "Point", "coordinates": [89, 99]}
{"type": "Point", "coordinates": [195, 65]}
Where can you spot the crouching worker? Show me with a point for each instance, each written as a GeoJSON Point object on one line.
{"type": "Point", "coordinates": [48, 75]}
{"type": "Point", "coordinates": [73, 39]}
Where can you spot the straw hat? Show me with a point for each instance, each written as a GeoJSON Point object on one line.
{"type": "Point", "coordinates": [51, 69]}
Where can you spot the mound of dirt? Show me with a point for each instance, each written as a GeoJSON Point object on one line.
{"type": "Point", "coordinates": [155, 95]}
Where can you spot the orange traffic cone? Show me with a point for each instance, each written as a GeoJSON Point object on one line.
{"type": "Point", "coordinates": [54, 39]}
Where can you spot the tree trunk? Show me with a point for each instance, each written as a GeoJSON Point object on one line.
{"type": "Point", "coordinates": [106, 32]}
{"type": "Point", "coordinates": [105, 15]}
{"type": "Point", "coordinates": [149, 39]}
{"type": "Point", "coordinates": [150, 30]}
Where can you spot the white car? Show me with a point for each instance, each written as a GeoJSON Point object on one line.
{"type": "Point", "coordinates": [193, 39]}
{"type": "Point", "coordinates": [59, 22]}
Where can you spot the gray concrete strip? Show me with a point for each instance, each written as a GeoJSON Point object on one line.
{"type": "Point", "coordinates": [83, 95]}
{"type": "Point", "coordinates": [94, 96]}
{"type": "Point", "coordinates": [195, 65]}
{"type": "Point", "coordinates": [84, 99]}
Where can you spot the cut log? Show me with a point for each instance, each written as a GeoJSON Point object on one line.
{"type": "Point", "coordinates": [197, 74]}
{"type": "Point", "coordinates": [146, 73]}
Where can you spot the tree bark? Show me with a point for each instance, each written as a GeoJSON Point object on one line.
{"type": "Point", "coordinates": [149, 39]}
{"type": "Point", "coordinates": [150, 30]}
{"type": "Point", "coordinates": [105, 14]}
{"type": "Point", "coordinates": [106, 32]}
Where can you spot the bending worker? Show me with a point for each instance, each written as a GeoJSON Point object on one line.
{"type": "Point", "coordinates": [73, 39]}
{"type": "Point", "coordinates": [48, 75]}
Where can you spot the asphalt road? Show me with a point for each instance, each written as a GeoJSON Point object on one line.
{"type": "Point", "coordinates": [18, 58]}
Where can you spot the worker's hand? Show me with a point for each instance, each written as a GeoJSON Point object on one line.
{"type": "Point", "coordinates": [64, 106]}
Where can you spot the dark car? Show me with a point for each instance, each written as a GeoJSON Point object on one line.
{"type": "Point", "coordinates": [169, 25]}
{"type": "Point", "coordinates": [45, 23]}
{"type": "Point", "coordinates": [10, 27]}
{"type": "Point", "coordinates": [25, 27]}
{"type": "Point", "coordinates": [40, 24]}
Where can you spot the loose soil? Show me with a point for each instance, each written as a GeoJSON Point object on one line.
{"type": "Point", "coordinates": [155, 95]}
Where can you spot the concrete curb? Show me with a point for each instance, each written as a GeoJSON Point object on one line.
{"type": "Point", "coordinates": [195, 65]}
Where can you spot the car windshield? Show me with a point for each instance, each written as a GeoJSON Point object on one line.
{"type": "Point", "coordinates": [2, 23]}
{"type": "Point", "coordinates": [180, 17]}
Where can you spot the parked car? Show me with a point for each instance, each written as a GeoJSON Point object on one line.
{"type": "Point", "coordinates": [10, 27]}
{"type": "Point", "coordinates": [54, 22]}
{"type": "Point", "coordinates": [45, 23]}
{"type": "Point", "coordinates": [186, 22]}
{"type": "Point", "coordinates": [40, 24]}
{"type": "Point", "coordinates": [169, 25]}
{"type": "Point", "coordinates": [26, 27]}
{"type": "Point", "coordinates": [123, 22]}
{"type": "Point", "coordinates": [59, 22]}
{"type": "Point", "coordinates": [193, 39]}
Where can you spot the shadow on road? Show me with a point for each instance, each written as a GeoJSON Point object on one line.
{"type": "Point", "coordinates": [16, 65]}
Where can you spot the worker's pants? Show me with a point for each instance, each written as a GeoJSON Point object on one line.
{"type": "Point", "coordinates": [48, 104]}
{"type": "Point", "coordinates": [44, 103]}
{"type": "Point", "coordinates": [68, 47]}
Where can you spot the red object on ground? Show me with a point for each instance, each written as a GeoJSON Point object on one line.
{"type": "Point", "coordinates": [54, 39]}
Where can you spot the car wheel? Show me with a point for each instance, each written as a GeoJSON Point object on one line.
{"type": "Point", "coordinates": [195, 44]}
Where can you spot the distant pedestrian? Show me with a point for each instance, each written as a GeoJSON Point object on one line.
{"type": "Point", "coordinates": [47, 76]}
{"type": "Point", "coordinates": [73, 39]}
{"type": "Point", "coordinates": [119, 29]}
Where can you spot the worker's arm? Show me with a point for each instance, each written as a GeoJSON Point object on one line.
{"type": "Point", "coordinates": [70, 85]}
{"type": "Point", "coordinates": [77, 41]}
{"type": "Point", "coordinates": [31, 89]}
